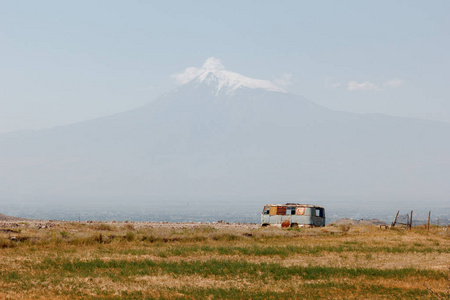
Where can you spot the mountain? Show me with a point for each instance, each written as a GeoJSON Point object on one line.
{"type": "Point", "coordinates": [226, 142]}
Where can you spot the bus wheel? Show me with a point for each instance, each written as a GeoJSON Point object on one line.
{"type": "Point", "coordinates": [294, 225]}
{"type": "Point", "coordinates": [264, 225]}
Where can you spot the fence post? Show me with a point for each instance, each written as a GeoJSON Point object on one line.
{"type": "Point", "coordinates": [395, 220]}
{"type": "Point", "coordinates": [429, 215]}
{"type": "Point", "coordinates": [410, 221]}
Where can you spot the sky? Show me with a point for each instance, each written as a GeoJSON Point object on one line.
{"type": "Point", "coordinates": [63, 62]}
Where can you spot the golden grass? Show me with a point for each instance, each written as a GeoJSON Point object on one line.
{"type": "Point", "coordinates": [67, 260]}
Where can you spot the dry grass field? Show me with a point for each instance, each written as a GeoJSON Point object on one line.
{"type": "Point", "coordinates": [112, 260]}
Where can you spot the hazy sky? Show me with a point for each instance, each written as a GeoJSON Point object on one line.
{"type": "Point", "coordinates": [64, 62]}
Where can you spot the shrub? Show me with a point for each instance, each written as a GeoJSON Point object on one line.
{"type": "Point", "coordinates": [130, 236]}
{"type": "Point", "coordinates": [103, 226]}
{"type": "Point", "coordinates": [129, 227]}
{"type": "Point", "coordinates": [345, 227]}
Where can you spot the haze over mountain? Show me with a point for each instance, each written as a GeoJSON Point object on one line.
{"type": "Point", "coordinates": [226, 141]}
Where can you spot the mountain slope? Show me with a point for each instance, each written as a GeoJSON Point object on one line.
{"type": "Point", "coordinates": [215, 142]}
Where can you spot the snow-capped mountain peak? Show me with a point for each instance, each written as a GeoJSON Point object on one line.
{"type": "Point", "coordinates": [214, 74]}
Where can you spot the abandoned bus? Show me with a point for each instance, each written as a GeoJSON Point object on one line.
{"type": "Point", "coordinates": [293, 215]}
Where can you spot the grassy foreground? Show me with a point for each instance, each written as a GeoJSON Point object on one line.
{"type": "Point", "coordinates": [68, 260]}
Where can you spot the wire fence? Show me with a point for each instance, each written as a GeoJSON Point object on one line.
{"type": "Point", "coordinates": [408, 220]}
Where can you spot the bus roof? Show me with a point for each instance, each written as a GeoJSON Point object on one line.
{"type": "Point", "coordinates": [295, 204]}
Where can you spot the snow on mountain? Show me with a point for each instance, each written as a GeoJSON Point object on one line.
{"type": "Point", "coordinates": [214, 74]}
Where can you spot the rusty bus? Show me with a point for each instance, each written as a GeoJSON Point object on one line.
{"type": "Point", "coordinates": [293, 215]}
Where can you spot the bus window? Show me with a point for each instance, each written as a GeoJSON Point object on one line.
{"type": "Point", "coordinates": [281, 210]}
{"type": "Point", "coordinates": [266, 210]}
{"type": "Point", "coordinates": [300, 211]}
{"type": "Point", "coordinates": [290, 210]}
{"type": "Point", "coordinates": [273, 210]}
{"type": "Point", "coordinates": [321, 212]}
